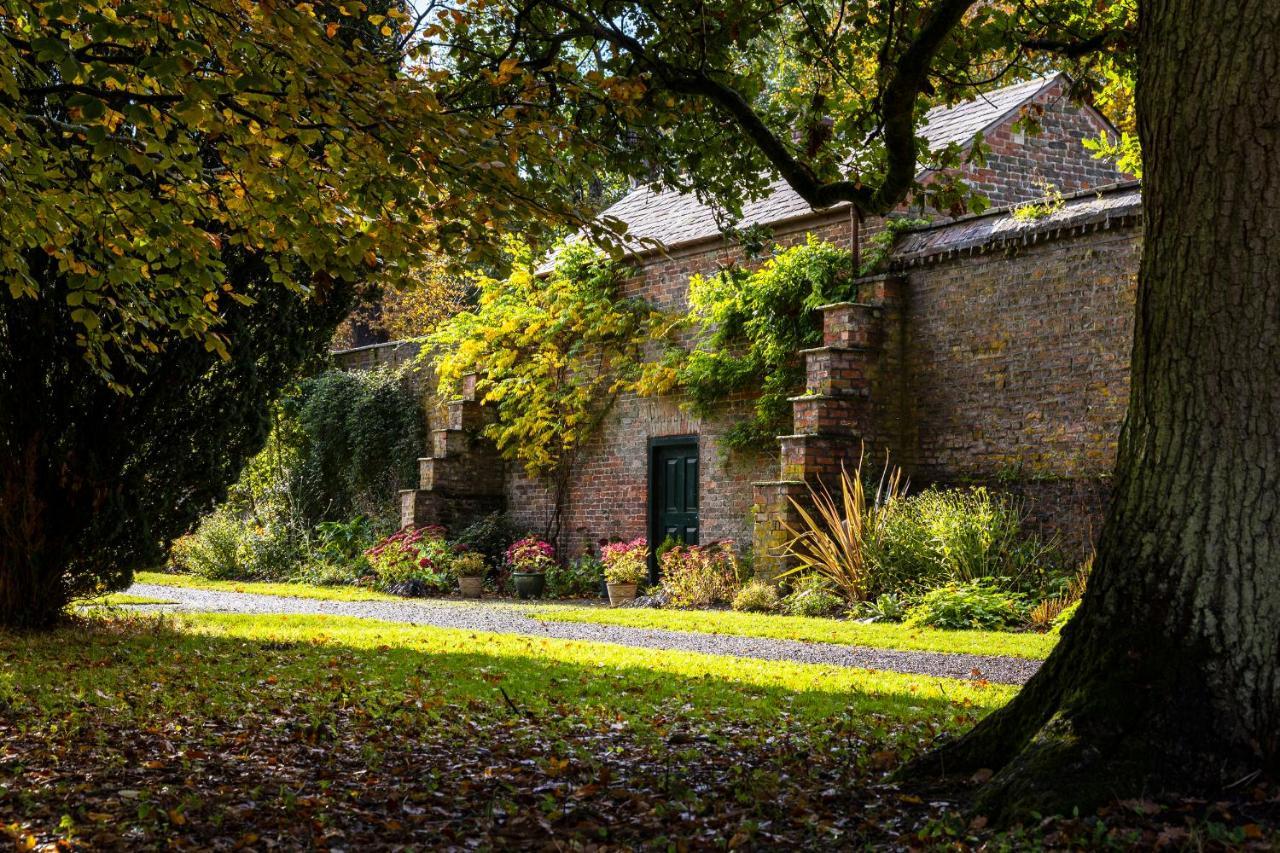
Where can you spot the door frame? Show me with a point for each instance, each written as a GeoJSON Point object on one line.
{"type": "Point", "coordinates": [651, 495]}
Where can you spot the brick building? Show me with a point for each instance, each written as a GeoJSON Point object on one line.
{"type": "Point", "coordinates": [995, 349]}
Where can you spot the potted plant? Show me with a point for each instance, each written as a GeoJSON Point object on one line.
{"type": "Point", "coordinates": [625, 565]}
{"type": "Point", "coordinates": [470, 569]}
{"type": "Point", "coordinates": [529, 560]}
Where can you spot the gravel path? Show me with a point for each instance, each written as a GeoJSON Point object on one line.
{"type": "Point", "coordinates": [511, 619]}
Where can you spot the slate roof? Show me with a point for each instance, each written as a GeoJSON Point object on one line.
{"type": "Point", "coordinates": [673, 218]}
{"type": "Point", "coordinates": [1083, 211]}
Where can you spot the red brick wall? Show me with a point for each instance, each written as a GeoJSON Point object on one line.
{"type": "Point", "coordinates": [608, 490]}
{"type": "Point", "coordinates": [1018, 166]}
{"type": "Point", "coordinates": [1018, 370]}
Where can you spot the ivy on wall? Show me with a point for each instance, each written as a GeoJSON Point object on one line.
{"type": "Point", "coordinates": [341, 442]}
{"type": "Point", "coordinates": [749, 327]}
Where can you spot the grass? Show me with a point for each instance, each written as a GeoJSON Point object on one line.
{"type": "Point", "coordinates": [876, 635]}
{"type": "Point", "coordinates": [230, 731]}
{"type": "Point", "coordinates": [288, 590]}
{"type": "Point", "coordinates": [386, 658]}
{"type": "Point", "coordinates": [806, 629]}
{"type": "Point", "coordinates": [123, 598]}
{"type": "Point", "coordinates": [155, 728]}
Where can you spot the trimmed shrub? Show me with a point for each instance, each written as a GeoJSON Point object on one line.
{"type": "Point", "coordinates": [699, 575]}
{"type": "Point", "coordinates": [977, 605]}
{"type": "Point", "coordinates": [756, 597]}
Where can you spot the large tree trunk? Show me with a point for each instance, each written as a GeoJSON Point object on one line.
{"type": "Point", "coordinates": [1168, 678]}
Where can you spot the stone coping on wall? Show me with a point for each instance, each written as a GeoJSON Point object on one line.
{"type": "Point", "coordinates": [1119, 205]}
{"type": "Point", "coordinates": [373, 355]}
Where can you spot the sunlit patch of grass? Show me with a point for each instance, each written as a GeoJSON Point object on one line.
{"type": "Point", "coordinates": [289, 590]}
{"type": "Point", "coordinates": [225, 662]}
{"type": "Point", "coordinates": [603, 675]}
{"type": "Point", "coordinates": [163, 726]}
{"type": "Point", "coordinates": [880, 635]}
{"type": "Point", "coordinates": [122, 598]}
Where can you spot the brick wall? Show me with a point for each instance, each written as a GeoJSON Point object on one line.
{"type": "Point", "coordinates": [1017, 362]}
{"type": "Point", "coordinates": [608, 489]}
{"type": "Point", "coordinates": [1019, 164]}
{"type": "Point", "coordinates": [1008, 366]}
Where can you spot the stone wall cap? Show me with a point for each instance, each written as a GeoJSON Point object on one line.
{"type": "Point", "coordinates": [831, 306]}
{"type": "Point", "coordinates": [1087, 210]}
{"type": "Point", "coordinates": [837, 348]}
{"type": "Point", "coordinates": [372, 347]}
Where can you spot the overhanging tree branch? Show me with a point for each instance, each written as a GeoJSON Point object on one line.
{"type": "Point", "coordinates": [907, 79]}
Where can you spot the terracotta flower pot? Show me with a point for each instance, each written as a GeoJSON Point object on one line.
{"type": "Point", "coordinates": [471, 587]}
{"type": "Point", "coordinates": [621, 593]}
{"type": "Point", "coordinates": [529, 584]}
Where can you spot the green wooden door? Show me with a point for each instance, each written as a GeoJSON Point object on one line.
{"type": "Point", "coordinates": [673, 492]}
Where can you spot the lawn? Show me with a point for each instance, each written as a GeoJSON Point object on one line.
{"type": "Point", "coordinates": [216, 730]}
{"type": "Point", "coordinates": [877, 635]}
{"type": "Point", "coordinates": [880, 636]}
{"type": "Point", "coordinates": [122, 598]}
{"type": "Point", "coordinates": [290, 590]}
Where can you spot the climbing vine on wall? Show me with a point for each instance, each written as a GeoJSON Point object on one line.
{"type": "Point", "coordinates": [749, 327]}
{"type": "Point", "coordinates": [550, 355]}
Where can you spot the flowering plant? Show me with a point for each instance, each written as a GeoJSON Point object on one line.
{"type": "Point", "coordinates": [698, 575]}
{"type": "Point", "coordinates": [418, 554]}
{"type": "Point", "coordinates": [531, 555]}
{"type": "Point", "coordinates": [626, 562]}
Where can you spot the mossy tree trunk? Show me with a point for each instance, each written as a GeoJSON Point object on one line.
{"type": "Point", "coordinates": [1169, 677]}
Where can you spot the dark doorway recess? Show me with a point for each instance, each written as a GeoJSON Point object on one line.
{"type": "Point", "coordinates": [673, 493]}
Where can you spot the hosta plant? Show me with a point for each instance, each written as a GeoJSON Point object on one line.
{"type": "Point", "coordinates": [979, 605]}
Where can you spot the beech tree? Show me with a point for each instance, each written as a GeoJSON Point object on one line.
{"type": "Point", "coordinates": [194, 193]}
{"type": "Point", "coordinates": [1167, 679]}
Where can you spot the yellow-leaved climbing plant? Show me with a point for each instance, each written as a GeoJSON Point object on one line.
{"type": "Point", "coordinates": [551, 353]}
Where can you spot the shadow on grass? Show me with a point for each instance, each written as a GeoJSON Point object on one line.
{"type": "Point", "coordinates": [379, 732]}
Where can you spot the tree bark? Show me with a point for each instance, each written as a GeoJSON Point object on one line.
{"type": "Point", "coordinates": [1168, 678]}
